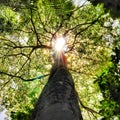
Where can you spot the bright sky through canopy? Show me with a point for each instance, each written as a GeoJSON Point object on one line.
{"type": "Point", "coordinates": [60, 43]}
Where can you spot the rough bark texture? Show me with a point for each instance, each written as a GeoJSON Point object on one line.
{"type": "Point", "coordinates": [58, 100]}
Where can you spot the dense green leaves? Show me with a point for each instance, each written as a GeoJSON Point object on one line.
{"type": "Point", "coordinates": [27, 32]}
{"type": "Point", "coordinates": [109, 83]}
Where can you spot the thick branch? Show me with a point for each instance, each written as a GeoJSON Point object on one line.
{"type": "Point", "coordinates": [11, 75]}
{"type": "Point", "coordinates": [33, 47]}
{"type": "Point", "coordinates": [82, 30]}
{"type": "Point", "coordinates": [82, 24]}
{"type": "Point", "coordinates": [19, 77]}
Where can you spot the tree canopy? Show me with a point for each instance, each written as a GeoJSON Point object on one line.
{"type": "Point", "coordinates": [28, 30]}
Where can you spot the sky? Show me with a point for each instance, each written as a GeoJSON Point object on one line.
{"type": "Point", "coordinates": [80, 2]}
{"type": "Point", "coordinates": [3, 115]}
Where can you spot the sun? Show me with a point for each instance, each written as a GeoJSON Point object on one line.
{"type": "Point", "coordinates": [60, 44]}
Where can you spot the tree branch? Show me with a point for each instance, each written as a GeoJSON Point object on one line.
{"type": "Point", "coordinates": [37, 37]}
{"type": "Point", "coordinates": [87, 108]}
{"type": "Point", "coordinates": [19, 77]}
{"type": "Point", "coordinates": [33, 47]}
{"type": "Point", "coordinates": [11, 75]}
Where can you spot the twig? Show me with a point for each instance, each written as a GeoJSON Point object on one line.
{"type": "Point", "coordinates": [87, 108]}
{"type": "Point", "coordinates": [38, 41]}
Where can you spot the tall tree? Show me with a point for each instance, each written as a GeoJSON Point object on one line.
{"type": "Point", "coordinates": [59, 99]}
{"type": "Point", "coordinates": [28, 30]}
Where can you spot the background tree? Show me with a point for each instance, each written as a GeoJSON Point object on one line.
{"type": "Point", "coordinates": [28, 30]}
{"type": "Point", "coordinates": [109, 82]}
{"type": "Point", "coordinates": [112, 6]}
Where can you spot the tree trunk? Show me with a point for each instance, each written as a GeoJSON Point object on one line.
{"type": "Point", "coordinates": [58, 100]}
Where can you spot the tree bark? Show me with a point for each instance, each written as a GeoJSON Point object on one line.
{"type": "Point", "coordinates": [58, 100]}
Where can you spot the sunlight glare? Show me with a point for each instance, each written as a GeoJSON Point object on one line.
{"type": "Point", "coordinates": [60, 43]}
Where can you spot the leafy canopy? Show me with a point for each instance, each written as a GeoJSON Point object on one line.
{"type": "Point", "coordinates": [28, 29]}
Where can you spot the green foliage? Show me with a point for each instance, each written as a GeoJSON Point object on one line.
{"type": "Point", "coordinates": [28, 28]}
{"type": "Point", "coordinates": [63, 9]}
{"type": "Point", "coordinates": [8, 19]}
{"type": "Point", "coordinates": [21, 115]}
{"type": "Point", "coordinates": [109, 83]}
